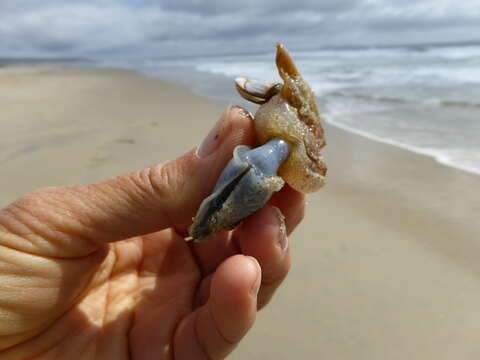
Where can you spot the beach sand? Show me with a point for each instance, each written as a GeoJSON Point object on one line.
{"type": "Point", "coordinates": [386, 264]}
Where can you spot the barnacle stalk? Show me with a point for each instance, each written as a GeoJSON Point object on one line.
{"type": "Point", "coordinates": [287, 125]}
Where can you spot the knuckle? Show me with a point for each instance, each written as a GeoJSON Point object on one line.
{"type": "Point", "coordinates": [155, 184]}
{"type": "Point", "coordinates": [168, 179]}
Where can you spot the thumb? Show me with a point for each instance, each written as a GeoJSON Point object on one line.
{"type": "Point", "coordinates": [75, 220]}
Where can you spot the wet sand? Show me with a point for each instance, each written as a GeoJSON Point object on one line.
{"type": "Point", "coordinates": [386, 263]}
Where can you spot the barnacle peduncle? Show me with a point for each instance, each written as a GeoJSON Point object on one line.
{"type": "Point", "coordinates": [287, 125]}
{"type": "Point", "coordinates": [298, 93]}
{"type": "Point", "coordinates": [293, 116]}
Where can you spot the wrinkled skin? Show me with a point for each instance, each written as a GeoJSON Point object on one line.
{"type": "Point", "coordinates": [80, 281]}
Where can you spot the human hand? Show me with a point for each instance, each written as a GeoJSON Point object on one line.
{"type": "Point", "coordinates": [102, 271]}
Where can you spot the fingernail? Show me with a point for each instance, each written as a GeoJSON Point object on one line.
{"type": "Point", "coordinates": [282, 231]}
{"type": "Point", "coordinates": [214, 137]}
{"type": "Point", "coordinates": [243, 111]}
{"type": "Point", "coordinates": [256, 284]}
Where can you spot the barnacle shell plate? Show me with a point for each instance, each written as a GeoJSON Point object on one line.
{"type": "Point", "coordinates": [245, 185]}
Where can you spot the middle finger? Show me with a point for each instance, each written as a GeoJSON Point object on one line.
{"type": "Point", "coordinates": [264, 236]}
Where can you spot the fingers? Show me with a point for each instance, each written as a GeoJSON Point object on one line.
{"type": "Point", "coordinates": [292, 205]}
{"type": "Point", "coordinates": [214, 329]}
{"type": "Point", "coordinates": [73, 221]}
{"type": "Point", "coordinates": [210, 254]}
{"type": "Point", "coordinates": [264, 237]}
{"type": "Point", "coordinates": [213, 252]}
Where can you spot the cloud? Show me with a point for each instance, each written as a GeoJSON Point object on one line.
{"type": "Point", "coordinates": [151, 28]}
{"type": "Point", "coordinates": [254, 6]}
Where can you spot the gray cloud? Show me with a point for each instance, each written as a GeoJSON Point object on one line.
{"type": "Point", "coordinates": [254, 6]}
{"type": "Point", "coordinates": [144, 28]}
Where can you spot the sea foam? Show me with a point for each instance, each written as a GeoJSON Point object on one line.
{"type": "Point", "coordinates": [423, 99]}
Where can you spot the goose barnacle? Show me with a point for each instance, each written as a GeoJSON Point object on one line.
{"type": "Point", "coordinates": [287, 126]}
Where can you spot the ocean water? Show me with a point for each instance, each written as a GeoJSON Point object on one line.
{"type": "Point", "coordinates": [422, 98]}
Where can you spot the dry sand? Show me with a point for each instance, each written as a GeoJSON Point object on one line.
{"type": "Point", "coordinates": [386, 263]}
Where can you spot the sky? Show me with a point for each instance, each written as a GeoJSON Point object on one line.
{"type": "Point", "coordinates": [175, 28]}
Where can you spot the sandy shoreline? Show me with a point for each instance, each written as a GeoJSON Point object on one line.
{"type": "Point", "coordinates": [385, 264]}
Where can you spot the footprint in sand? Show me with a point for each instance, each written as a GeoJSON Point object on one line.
{"type": "Point", "coordinates": [125, 141]}
{"type": "Point", "coordinates": [103, 153]}
{"type": "Point", "coordinates": [99, 158]}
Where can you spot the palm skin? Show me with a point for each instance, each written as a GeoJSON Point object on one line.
{"type": "Point", "coordinates": [138, 290]}
{"type": "Point", "coordinates": [73, 289]}
{"type": "Point", "coordinates": [148, 297]}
